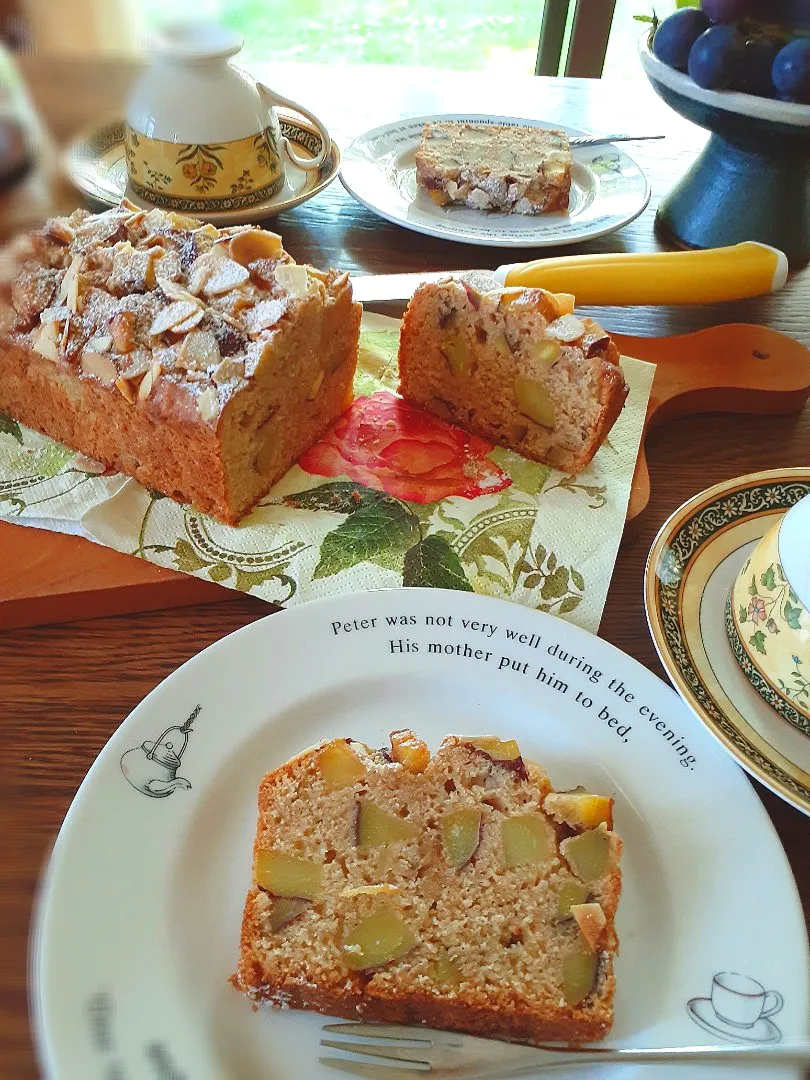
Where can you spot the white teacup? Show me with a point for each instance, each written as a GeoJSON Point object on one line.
{"type": "Point", "coordinates": [203, 136]}
{"type": "Point", "coordinates": [740, 1000]}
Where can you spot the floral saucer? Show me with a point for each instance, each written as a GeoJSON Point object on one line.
{"type": "Point", "coordinates": [95, 163]}
{"type": "Point", "coordinates": [693, 562]}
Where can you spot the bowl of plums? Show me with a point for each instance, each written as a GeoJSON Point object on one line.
{"type": "Point", "coordinates": [741, 69]}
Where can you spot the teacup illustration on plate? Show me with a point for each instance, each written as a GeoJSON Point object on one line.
{"type": "Point", "coordinates": [738, 1009]}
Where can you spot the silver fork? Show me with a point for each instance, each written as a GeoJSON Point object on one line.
{"type": "Point", "coordinates": [448, 1054]}
{"type": "Point", "coordinates": [576, 141]}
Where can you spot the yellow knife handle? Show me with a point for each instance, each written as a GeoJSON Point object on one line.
{"type": "Point", "coordinates": [658, 277]}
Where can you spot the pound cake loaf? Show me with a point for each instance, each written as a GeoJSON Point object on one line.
{"type": "Point", "coordinates": [519, 170]}
{"type": "Point", "coordinates": [513, 365]}
{"type": "Point", "coordinates": [459, 891]}
{"type": "Point", "coordinates": [202, 362]}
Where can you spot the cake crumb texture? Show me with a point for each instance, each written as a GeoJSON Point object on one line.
{"type": "Point", "coordinates": [516, 366]}
{"type": "Point", "coordinates": [398, 886]}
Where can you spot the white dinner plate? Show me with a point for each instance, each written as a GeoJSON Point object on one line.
{"type": "Point", "coordinates": [138, 923]}
{"type": "Point", "coordinates": [608, 189]}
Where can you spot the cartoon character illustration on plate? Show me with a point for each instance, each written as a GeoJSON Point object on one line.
{"type": "Point", "coordinates": [152, 767]}
{"type": "Point", "coordinates": [738, 1009]}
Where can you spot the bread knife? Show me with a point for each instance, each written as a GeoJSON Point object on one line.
{"type": "Point", "coordinates": [620, 278]}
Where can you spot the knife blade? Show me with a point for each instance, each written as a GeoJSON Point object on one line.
{"type": "Point", "coordinates": [619, 278]}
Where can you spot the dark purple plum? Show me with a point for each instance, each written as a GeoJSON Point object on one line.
{"type": "Point", "coordinates": [791, 71]}
{"type": "Point", "coordinates": [716, 56]}
{"type": "Point", "coordinates": [754, 73]}
{"type": "Point", "coordinates": [732, 11]}
{"type": "Point", "coordinates": [676, 35]}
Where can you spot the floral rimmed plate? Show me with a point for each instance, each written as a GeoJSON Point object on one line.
{"type": "Point", "coordinates": [692, 564]}
{"type": "Point", "coordinates": [139, 915]}
{"type": "Point", "coordinates": [95, 162]}
{"type": "Point", "coordinates": [608, 189]}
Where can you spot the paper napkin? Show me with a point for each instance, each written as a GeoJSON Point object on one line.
{"type": "Point", "coordinates": [390, 497]}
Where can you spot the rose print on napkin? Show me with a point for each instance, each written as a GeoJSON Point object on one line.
{"type": "Point", "coordinates": [386, 443]}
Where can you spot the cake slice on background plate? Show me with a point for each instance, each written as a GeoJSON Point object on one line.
{"type": "Point", "coordinates": [518, 170]}
{"type": "Point", "coordinates": [458, 890]}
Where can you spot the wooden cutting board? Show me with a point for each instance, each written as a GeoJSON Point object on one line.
{"type": "Point", "coordinates": [47, 578]}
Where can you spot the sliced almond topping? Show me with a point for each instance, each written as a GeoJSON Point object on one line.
{"type": "Point", "coordinates": [56, 314]}
{"type": "Point", "coordinates": [227, 276]}
{"type": "Point", "coordinates": [293, 278]}
{"type": "Point", "coordinates": [174, 315]}
{"type": "Point", "coordinates": [59, 229]}
{"type": "Point", "coordinates": [139, 363]}
{"type": "Point", "coordinates": [69, 289]}
{"type": "Point", "coordinates": [208, 404]}
{"type": "Point", "coordinates": [173, 291]}
{"type": "Point", "coordinates": [265, 313]}
{"type": "Point", "coordinates": [566, 328]}
{"type": "Point", "coordinates": [340, 284]}
{"type": "Point", "coordinates": [181, 222]}
{"type": "Point", "coordinates": [46, 342]}
{"type": "Point", "coordinates": [122, 329]}
{"type": "Point", "coordinates": [247, 247]}
{"type": "Point", "coordinates": [207, 230]}
{"type": "Point", "coordinates": [188, 324]}
{"type": "Point", "coordinates": [101, 344]}
{"type": "Point", "coordinates": [148, 381]}
{"type": "Point", "coordinates": [127, 388]}
{"type": "Point", "coordinates": [102, 367]}
{"type": "Point", "coordinates": [229, 369]}
{"type": "Point", "coordinates": [199, 349]}
{"type": "Point", "coordinates": [203, 267]}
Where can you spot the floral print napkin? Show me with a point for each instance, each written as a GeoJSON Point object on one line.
{"type": "Point", "coordinates": [390, 497]}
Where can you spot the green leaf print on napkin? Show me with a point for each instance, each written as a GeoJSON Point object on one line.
{"type": "Point", "coordinates": [10, 427]}
{"type": "Point", "coordinates": [432, 563]}
{"type": "Point", "coordinates": [340, 497]}
{"type": "Point", "coordinates": [385, 528]}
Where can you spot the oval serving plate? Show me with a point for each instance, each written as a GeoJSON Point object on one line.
{"type": "Point", "coordinates": [139, 918]}
{"type": "Point", "coordinates": [608, 189]}
{"type": "Point", "coordinates": [96, 165]}
{"type": "Point", "coordinates": [692, 564]}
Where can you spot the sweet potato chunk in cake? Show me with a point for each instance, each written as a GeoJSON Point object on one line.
{"type": "Point", "coordinates": [203, 362]}
{"type": "Point", "coordinates": [520, 170]}
{"type": "Point", "coordinates": [513, 365]}
{"type": "Point", "coordinates": [450, 894]}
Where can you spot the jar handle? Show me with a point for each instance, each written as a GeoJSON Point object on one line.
{"type": "Point", "coordinates": [271, 98]}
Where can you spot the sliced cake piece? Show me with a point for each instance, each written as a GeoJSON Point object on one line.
{"type": "Point", "coordinates": [456, 890]}
{"type": "Point", "coordinates": [520, 170]}
{"type": "Point", "coordinates": [513, 365]}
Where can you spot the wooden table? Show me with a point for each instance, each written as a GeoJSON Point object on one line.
{"type": "Point", "coordinates": [65, 688]}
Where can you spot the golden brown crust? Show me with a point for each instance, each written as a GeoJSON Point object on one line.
{"type": "Point", "coordinates": [200, 362]}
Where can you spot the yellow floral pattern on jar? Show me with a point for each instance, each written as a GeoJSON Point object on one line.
{"type": "Point", "coordinates": [204, 176]}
